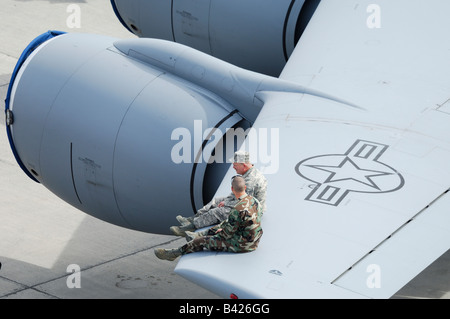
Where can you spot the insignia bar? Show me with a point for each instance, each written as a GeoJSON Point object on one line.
{"type": "Point", "coordinates": [357, 170]}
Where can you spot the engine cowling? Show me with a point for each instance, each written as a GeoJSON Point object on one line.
{"type": "Point", "coordinates": [257, 35]}
{"type": "Point", "coordinates": [92, 119]}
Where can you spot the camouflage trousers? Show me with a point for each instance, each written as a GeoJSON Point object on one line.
{"type": "Point", "coordinates": [213, 243]}
{"type": "Point", "coordinates": [211, 214]}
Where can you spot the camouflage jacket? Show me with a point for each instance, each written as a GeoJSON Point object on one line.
{"type": "Point", "coordinates": [256, 186]}
{"type": "Point", "coordinates": [242, 229]}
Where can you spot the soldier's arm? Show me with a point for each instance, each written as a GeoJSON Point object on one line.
{"type": "Point", "coordinates": [260, 194]}
{"type": "Point", "coordinates": [217, 200]}
{"type": "Point", "coordinates": [230, 225]}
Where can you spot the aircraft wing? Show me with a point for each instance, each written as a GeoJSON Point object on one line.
{"type": "Point", "coordinates": [357, 200]}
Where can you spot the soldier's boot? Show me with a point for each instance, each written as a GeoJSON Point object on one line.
{"type": "Point", "coordinates": [191, 235]}
{"type": "Point", "coordinates": [185, 220]}
{"type": "Point", "coordinates": [168, 254]}
{"type": "Point", "coordinates": [181, 230]}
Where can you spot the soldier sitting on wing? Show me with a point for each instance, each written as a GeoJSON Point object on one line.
{"type": "Point", "coordinates": [241, 232]}
{"type": "Point", "coordinates": [218, 209]}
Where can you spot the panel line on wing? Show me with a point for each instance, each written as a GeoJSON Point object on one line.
{"type": "Point", "coordinates": [390, 236]}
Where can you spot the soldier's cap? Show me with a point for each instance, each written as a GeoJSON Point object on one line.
{"type": "Point", "coordinates": [241, 157]}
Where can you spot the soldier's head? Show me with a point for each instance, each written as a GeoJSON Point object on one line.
{"type": "Point", "coordinates": [241, 162]}
{"type": "Point", "coordinates": [238, 185]}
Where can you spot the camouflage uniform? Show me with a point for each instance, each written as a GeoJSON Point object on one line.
{"type": "Point", "coordinates": [240, 233]}
{"type": "Point", "coordinates": [211, 214]}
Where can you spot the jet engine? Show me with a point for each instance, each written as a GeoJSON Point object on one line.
{"type": "Point", "coordinates": [257, 35]}
{"type": "Point", "coordinates": [132, 132]}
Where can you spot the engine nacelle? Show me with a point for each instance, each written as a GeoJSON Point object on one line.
{"type": "Point", "coordinates": [95, 120]}
{"type": "Point", "coordinates": [257, 35]}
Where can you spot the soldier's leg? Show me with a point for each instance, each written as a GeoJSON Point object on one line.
{"type": "Point", "coordinates": [193, 246]}
{"type": "Point", "coordinates": [190, 220]}
{"type": "Point", "coordinates": [211, 217]}
{"type": "Point", "coordinates": [213, 243]}
{"type": "Point", "coordinates": [212, 204]}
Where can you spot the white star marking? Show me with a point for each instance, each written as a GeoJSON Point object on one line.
{"type": "Point", "coordinates": [349, 170]}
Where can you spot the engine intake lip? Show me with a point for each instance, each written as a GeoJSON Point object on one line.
{"type": "Point", "coordinates": [116, 11]}
{"type": "Point", "coordinates": [8, 111]}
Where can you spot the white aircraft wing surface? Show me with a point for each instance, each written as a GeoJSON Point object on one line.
{"type": "Point", "coordinates": [357, 200]}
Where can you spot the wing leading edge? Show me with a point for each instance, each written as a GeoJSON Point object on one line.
{"type": "Point", "coordinates": [358, 203]}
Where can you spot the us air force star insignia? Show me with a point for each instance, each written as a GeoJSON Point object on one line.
{"type": "Point", "coordinates": [358, 170]}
